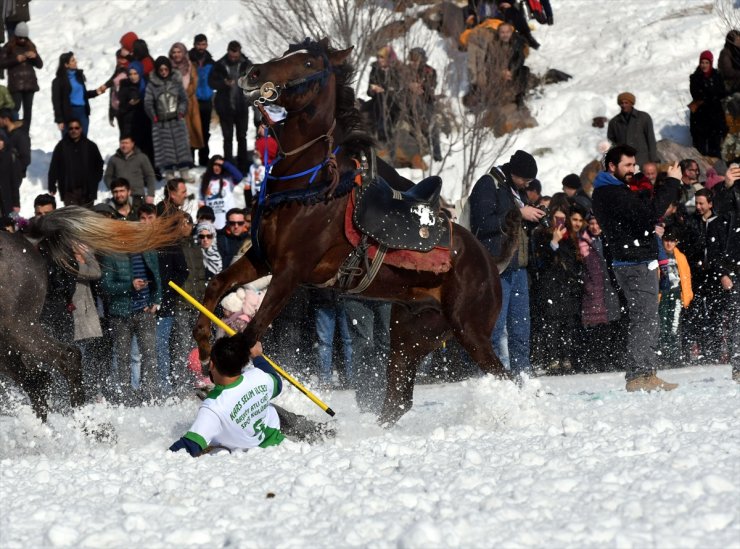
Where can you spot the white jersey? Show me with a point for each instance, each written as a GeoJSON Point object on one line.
{"type": "Point", "coordinates": [239, 415]}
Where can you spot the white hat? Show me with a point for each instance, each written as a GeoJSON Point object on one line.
{"type": "Point", "coordinates": [21, 30]}
{"type": "Point", "coordinates": [234, 301]}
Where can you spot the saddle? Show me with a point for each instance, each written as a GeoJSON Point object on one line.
{"type": "Point", "coordinates": [409, 220]}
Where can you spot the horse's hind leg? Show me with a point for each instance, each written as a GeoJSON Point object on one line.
{"type": "Point", "coordinates": [414, 334]}
{"type": "Point", "coordinates": [472, 324]}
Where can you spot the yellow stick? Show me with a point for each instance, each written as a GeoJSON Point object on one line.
{"type": "Point", "coordinates": [218, 322]}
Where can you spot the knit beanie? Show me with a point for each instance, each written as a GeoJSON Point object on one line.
{"type": "Point", "coordinates": [21, 30]}
{"type": "Point", "coordinates": [626, 96]}
{"type": "Point", "coordinates": [206, 226]}
{"type": "Point", "coordinates": [233, 302]}
{"type": "Point", "coordinates": [523, 164]}
{"type": "Point", "coordinates": [572, 181]}
{"type": "Point", "coordinates": [706, 54]}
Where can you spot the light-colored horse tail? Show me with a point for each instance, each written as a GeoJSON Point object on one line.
{"type": "Point", "coordinates": [66, 228]}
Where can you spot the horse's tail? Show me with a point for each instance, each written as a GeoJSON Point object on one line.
{"type": "Point", "coordinates": [512, 230]}
{"type": "Point", "coordinates": [68, 227]}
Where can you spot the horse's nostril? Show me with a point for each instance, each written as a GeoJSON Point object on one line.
{"type": "Point", "coordinates": [253, 75]}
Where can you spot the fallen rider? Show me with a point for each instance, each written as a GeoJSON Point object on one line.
{"type": "Point", "coordinates": [237, 414]}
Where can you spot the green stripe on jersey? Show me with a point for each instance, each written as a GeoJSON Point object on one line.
{"type": "Point", "coordinates": [273, 437]}
{"type": "Point", "coordinates": [199, 440]}
{"type": "Point", "coordinates": [218, 389]}
{"type": "Point", "coordinates": [275, 385]}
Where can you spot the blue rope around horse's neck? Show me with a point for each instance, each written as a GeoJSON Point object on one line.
{"type": "Point", "coordinates": [314, 171]}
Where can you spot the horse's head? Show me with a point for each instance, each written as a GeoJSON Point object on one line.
{"type": "Point", "coordinates": [296, 78]}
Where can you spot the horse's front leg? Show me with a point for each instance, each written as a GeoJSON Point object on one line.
{"type": "Point", "coordinates": [241, 272]}
{"type": "Point", "coordinates": [278, 293]}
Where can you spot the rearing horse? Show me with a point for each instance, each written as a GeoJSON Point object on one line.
{"type": "Point", "coordinates": [300, 228]}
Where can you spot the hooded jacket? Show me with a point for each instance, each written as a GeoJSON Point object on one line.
{"type": "Point", "coordinates": [628, 221]}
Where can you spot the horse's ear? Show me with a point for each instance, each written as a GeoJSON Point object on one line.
{"type": "Point", "coordinates": [340, 56]}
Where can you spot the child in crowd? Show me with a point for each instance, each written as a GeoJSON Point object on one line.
{"type": "Point", "coordinates": [675, 293]}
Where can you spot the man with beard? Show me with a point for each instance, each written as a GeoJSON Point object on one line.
{"type": "Point", "coordinates": [629, 225]}
{"type": "Point", "coordinates": [689, 184]}
{"type": "Point", "coordinates": [121, 200]}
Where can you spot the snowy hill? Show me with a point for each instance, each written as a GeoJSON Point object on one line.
{"type": "Point", "coordinates": [566, 462]}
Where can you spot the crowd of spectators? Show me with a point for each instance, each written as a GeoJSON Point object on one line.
{"type": "Point", "coordinates": [579, 289]}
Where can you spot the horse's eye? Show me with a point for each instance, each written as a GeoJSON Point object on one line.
{"type": "Point", "coordinates": [309, 64]}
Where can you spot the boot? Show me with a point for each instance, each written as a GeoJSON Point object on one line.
{"type": "Point", "coordinates": [649, 383]}
{"type": "Point", "coordinates": [553, 368]}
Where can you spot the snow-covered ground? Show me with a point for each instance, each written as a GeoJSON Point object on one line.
{"type": "Point", "coordinates": [565, 462]}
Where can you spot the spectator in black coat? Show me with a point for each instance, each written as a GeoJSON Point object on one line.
{"type": "Point", "coordinates": [18, 143]}
{"type": "Point", "coordinates": [231, 104]}
{"type": "Point", "coordinates": [69, 96]}
{"type": "Point", "coordinates": [76, 167]}
{"type": "Point", "coordinates": [20, 58]}
{"type": "Point", "coordinates": [707, 121]}
{"type": "Point", "coordinates": [234, 236]}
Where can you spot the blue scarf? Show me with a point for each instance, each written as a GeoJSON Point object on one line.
{"type": "Point", "coordinates": [605, 178]}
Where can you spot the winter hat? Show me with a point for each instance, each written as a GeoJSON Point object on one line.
{"type": "Point", "coordinates": [626, 96]}
{"type": "Point", "coordinates": [572, 181]}
{"type": "Point", "coordinates": [206, 226]}
{"type": "Point", "coordinates": [127, 41]}
{"type": "Point", "coordinates": [234, 301]}
{"type": "Point", "coordinates": [162, 60]}
{"type": "Point", "coordinates": [523, 164]}
{"type": "Point", "coordinates": [21, 30]}
{"type": "Point", "coordinates": [706, 54]}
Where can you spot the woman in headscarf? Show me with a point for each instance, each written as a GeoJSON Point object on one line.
{"type": "Point", "coordinates": [205, 232]}
{"type": "Point", "coordinates": [166, 103]}
{"type": "Point", "coordinates": [181, 62]}
{"type": "Point", "coordinates": [132, 119]}
{"type": "Point", "coordinates": [707, 120]}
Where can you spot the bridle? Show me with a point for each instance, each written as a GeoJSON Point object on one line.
{"type": "Point", "coordinates": [269, 92]}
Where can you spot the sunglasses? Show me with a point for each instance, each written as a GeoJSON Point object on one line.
{"type": "Point", "coordinates": [239, 223]}
{"type": "Point", "coordinates": [205, 237]}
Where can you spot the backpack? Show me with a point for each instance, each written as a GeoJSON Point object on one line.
{"type": "Point", "coordinates": [464, 218]}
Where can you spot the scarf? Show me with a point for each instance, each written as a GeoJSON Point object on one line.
{"type": "Point", "coordinates": [139, 68]}
{"type": "Point", "coordinates": [211, 258]}
{"type": "Point", "coordinates": [184, 65]}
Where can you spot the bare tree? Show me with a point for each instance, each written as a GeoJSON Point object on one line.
{"type": "Point", "coordinates": [728, 12]}
{"type": "Point", "coordinates": [346, 22]}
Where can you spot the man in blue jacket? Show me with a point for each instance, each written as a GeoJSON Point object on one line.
{"type": "Point", "coordinates": [498, 192]}
{"type": "Point", "coordinates": [203, 61]}
{"type": "Point", "coordinates": [629, 223]}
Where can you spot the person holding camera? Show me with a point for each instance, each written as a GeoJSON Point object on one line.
{"type": "Point", "coordinates": [559, 284]}
{"type": "Point", "coordinates": [496, 194]}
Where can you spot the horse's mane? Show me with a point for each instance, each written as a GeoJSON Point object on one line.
{"type": "Point", "coordinates": [353, 135]}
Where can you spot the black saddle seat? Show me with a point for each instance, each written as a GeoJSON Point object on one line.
{"type": "Point", "coordinates": [408, 220]}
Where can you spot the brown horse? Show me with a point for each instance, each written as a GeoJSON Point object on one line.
{"type": "Point", "coordinates": [29, 354]}
{"type": "Point", "coordinates": [303, 237]}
